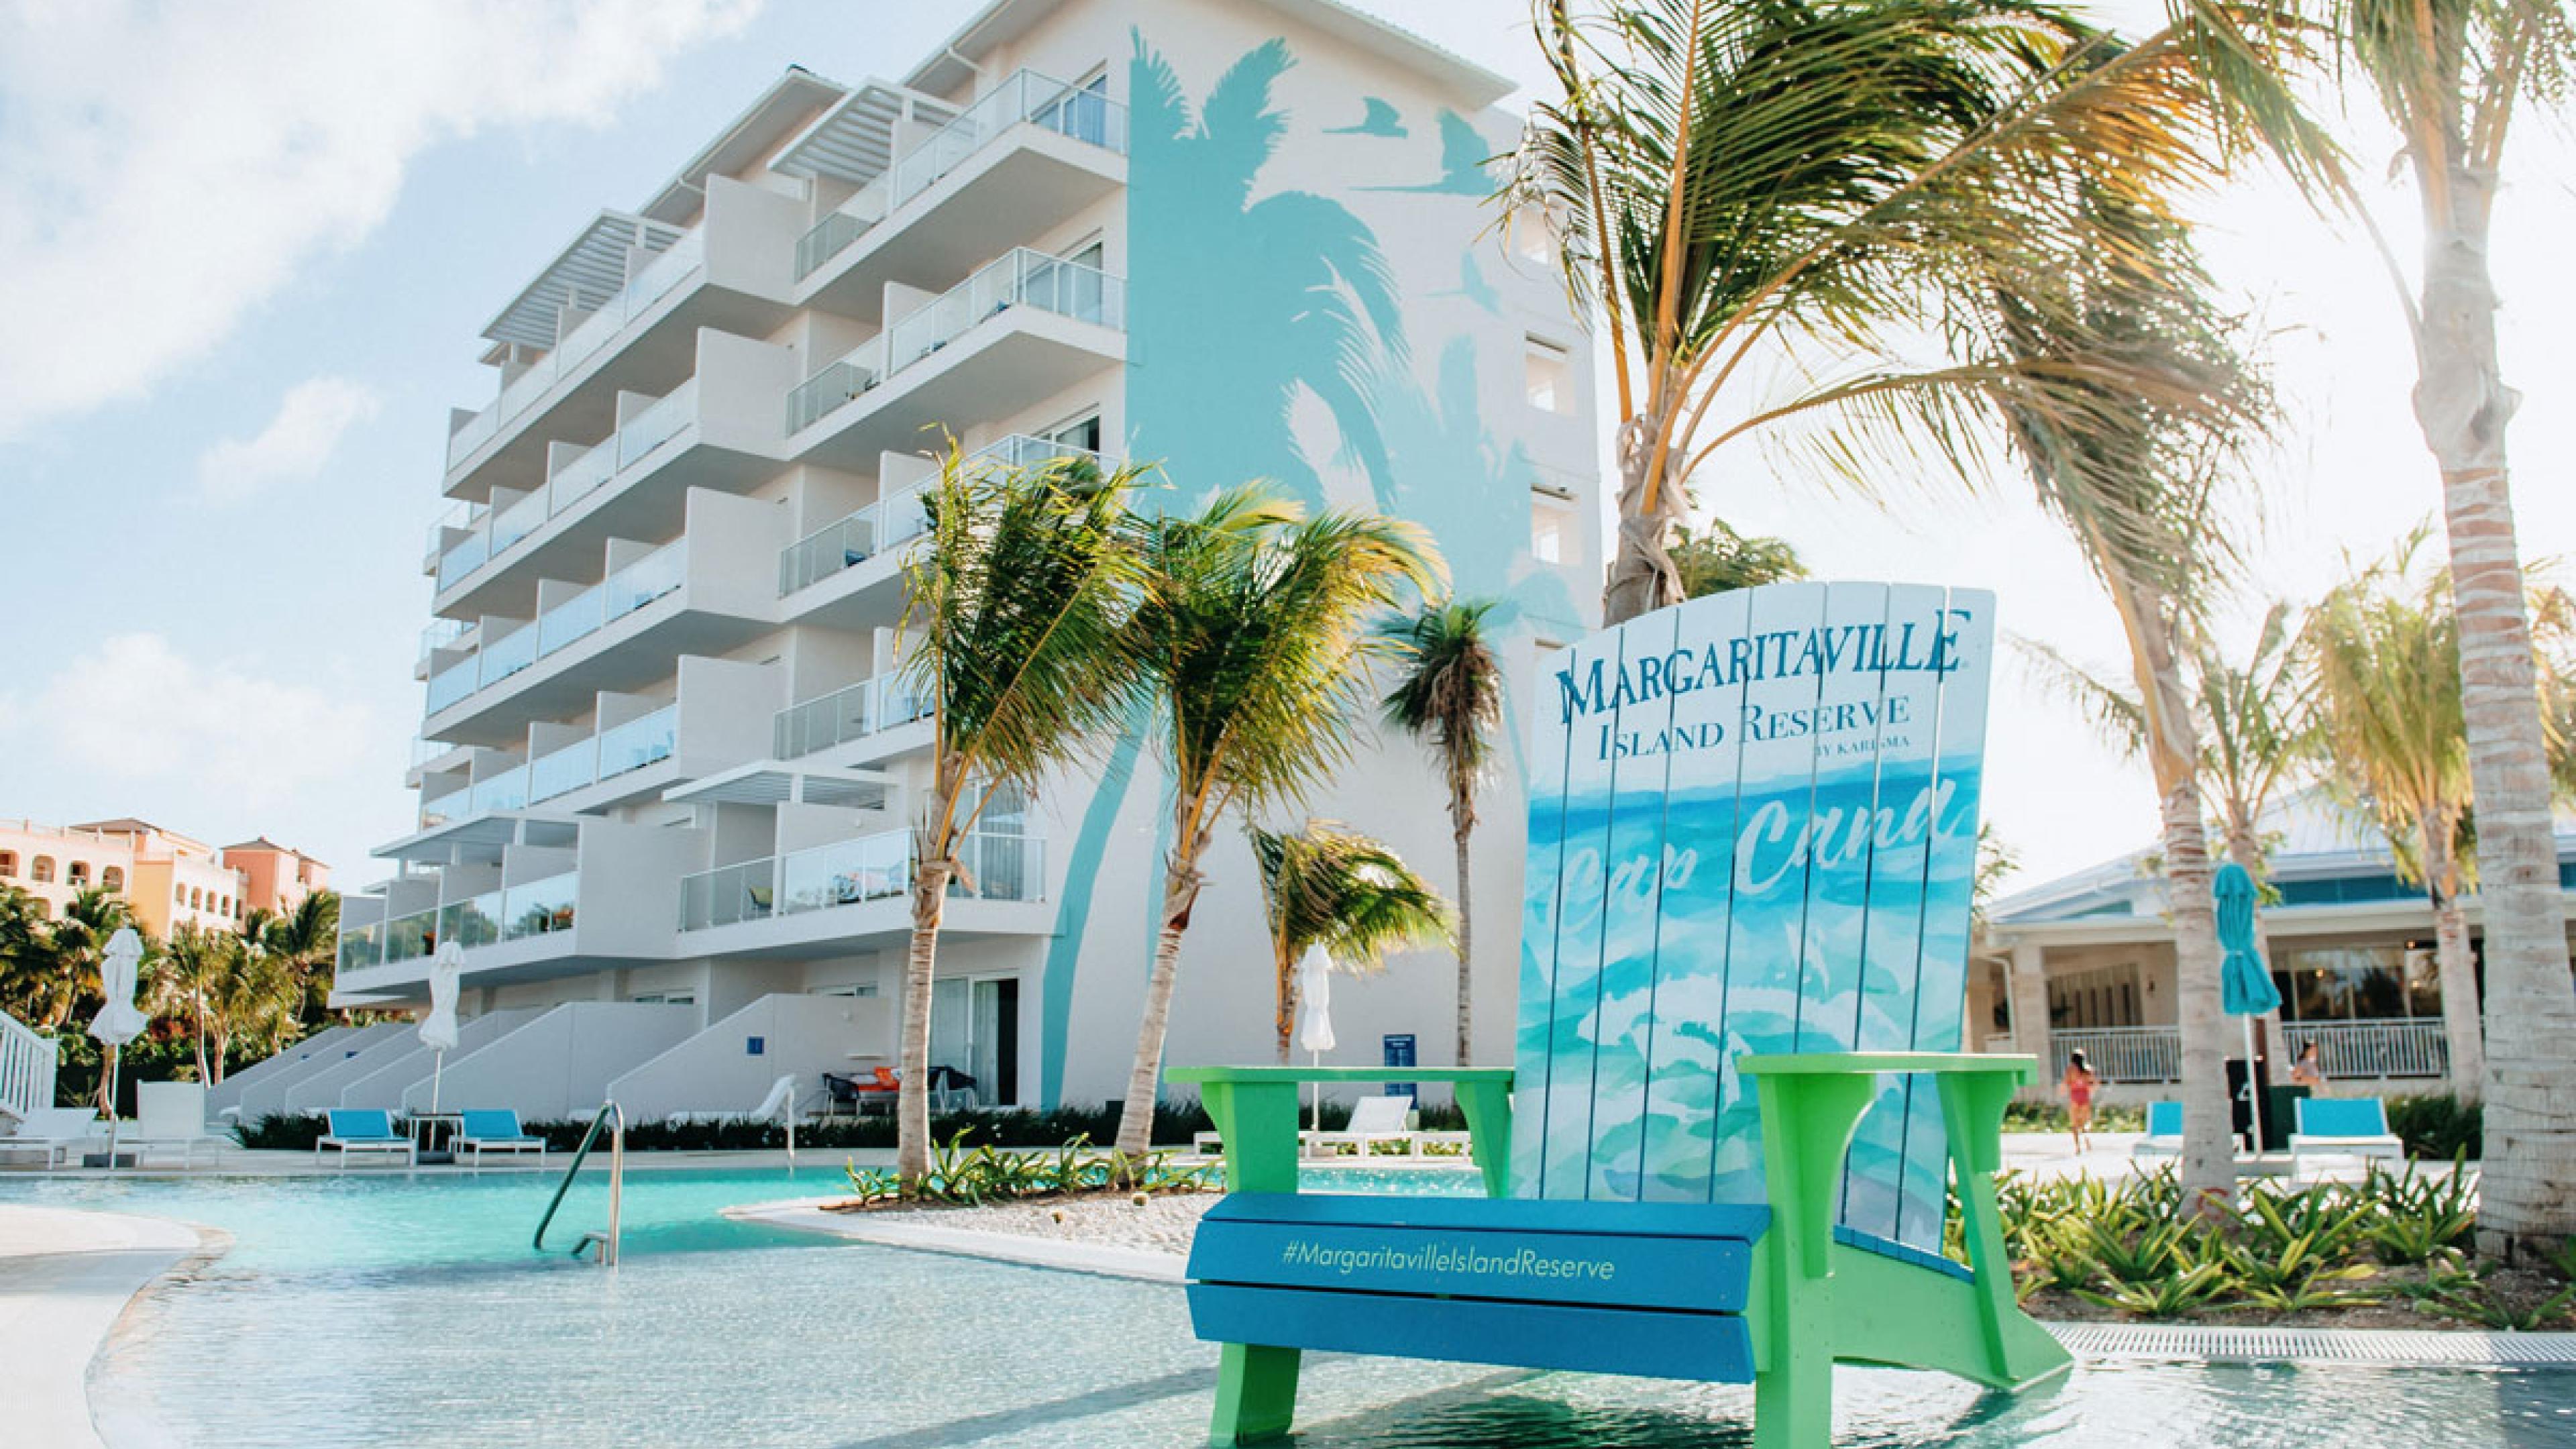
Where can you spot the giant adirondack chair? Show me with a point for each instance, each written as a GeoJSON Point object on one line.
{"type": "Point", "coordinates": [1738, 1098]}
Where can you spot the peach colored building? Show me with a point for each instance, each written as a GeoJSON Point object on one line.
{"type": "Point", "coordinates": [166, 878]}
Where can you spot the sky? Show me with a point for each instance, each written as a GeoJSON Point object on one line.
{"type": "Point", "coordinates": [245, 251]}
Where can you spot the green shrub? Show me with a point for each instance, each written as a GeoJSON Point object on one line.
{"type": "Point", "coordinates": [2052, 1117]}
{"type": "Point", "coordinates": [2437, 1127]}
{"type": "Point", "coordinates": [964, 1177]}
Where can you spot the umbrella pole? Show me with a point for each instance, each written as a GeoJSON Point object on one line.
{"type": "Point", "coordinates": [115, 1059]}
{"type": "Point", "coordinates": [437, 1069]}
{"type": "Point", "coordinates": [1315, 1090]}
{"type": "Point", "coordinates": [2253, 1089]}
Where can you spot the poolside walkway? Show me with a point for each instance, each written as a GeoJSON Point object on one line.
{"type": "Point", "coordinates": [65, 1277]}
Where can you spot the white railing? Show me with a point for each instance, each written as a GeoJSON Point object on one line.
{"type": "Point", "coordinates": [866, 532]}
{"type": "Point", "coordinates": [646, 740]}
{"type": "Point", "coordinates": [532, 908]}
{"type": "Point", "coordinates": [2414, 1048]}
{"type": "Point", "coordinates": [27, 1067]}
{"type": "Point", "coordinates": [657, 573]}
{"type": "Point", "coordinates": [1022, 98]}
{"type": "Point", "coordinates": [2120, 1053]}
{"type": "Point", "coordinates": [1022, 278]}
{"type": "Point", "coordinates": [646, 432]}
{"type": "Point", "coordinates": [871, 706]}
{"type": "Point", "coordinates": [851, 872]}
{"type": "Point", "coordinates": [633, 300]}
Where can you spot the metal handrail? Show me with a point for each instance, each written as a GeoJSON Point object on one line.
{"type": "Point", "coordinates": [609, 1112]}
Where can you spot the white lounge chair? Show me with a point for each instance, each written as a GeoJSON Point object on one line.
{"type": "Point", "coordinates": [2342, 1127]}
{"type": "Point", "coordinates": [1373, 1120]}
{"type": "Point", "coordinates": [170, 1117]}
{"type": "Point", "coordinates": [494, 1131]}
{"type": "Point", "coordinates": [365, 1132]}
{"type": "Point", "coordinates": [780, 1102]}
{"type": "Point", "coordinates": [56, 1131]}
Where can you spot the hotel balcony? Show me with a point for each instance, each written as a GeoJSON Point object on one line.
{"type": "Point", "coordinates": [871, 720]}
{"type": "Point", "coordinates": [852, 565]}
{"type": "Point", "coordinates": [717, 430]}
{"type": "Point", "coordinates": [703, 593]}
{"type": "Point", "coordinates": [856, 894]}
{"type": "Point", "coordinates": [1033, 153]}
{"type": "Point", "coordinates": [1019, 331]}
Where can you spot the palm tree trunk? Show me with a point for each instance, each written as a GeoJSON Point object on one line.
{"type": "Point", "coordinates": [201, 1035]}
{"type": "Point", "coordinates": [2249, 858]}
{"type": "Point", "coordinates": [1283, 1013]}
{"type": "Point", "coordinates": [1466, 943]}
{"type": "Point", "coordinates": [912, 1095]}
{"type": "Point", "coordinates": [1642, 575]}
{"type": "Point", "coordinates": [2454, 966]}
{"type": "Point", "coordinates": [1181, 882]}
{"type": "Point", "coordinates": [2208, 1153]}
{"type": "Point", "coordinates": [2527, 1195]}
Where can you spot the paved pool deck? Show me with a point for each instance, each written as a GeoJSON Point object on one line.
{"type": "Point", "coordinates": [65, 1279]}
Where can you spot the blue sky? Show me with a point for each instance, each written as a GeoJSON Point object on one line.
{"type": "Point", "coordinates": [245, 250]}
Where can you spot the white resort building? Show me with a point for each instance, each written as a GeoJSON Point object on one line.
{"type": "Point", "coordinates": [665, 779]}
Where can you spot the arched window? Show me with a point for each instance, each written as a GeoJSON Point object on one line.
{"type": "Point", "coordinates": [8, 864]}
{"type": "Point", "coordinates": [78, 875]}
{"type": "Point", "coordinates": [112, 878]}
{"type": "Point", "coordinates": [196, 899]}
{"type": "Point", "coordinates": [43, 874]}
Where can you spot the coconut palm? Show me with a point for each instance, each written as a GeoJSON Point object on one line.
{"type": "Point", "coordinates": [1863, 188]}
{"type": "Point", "coordinates": [78, 948]}
{"type": "Point", "coordinates": [1717, 558]}
{"type": "Point", "coordinates": [1449, 696]}
{"type": "Point", "coordinates": [2450, 74]}
{"type": "Point", "coordinates": [305, 938]}
{"type": "Point", "coordinates": [1329, 886]}
{"type": "Point", "coordinates": [1255, 635]}
{"type": "Point", "coordinates": [1013, 634]}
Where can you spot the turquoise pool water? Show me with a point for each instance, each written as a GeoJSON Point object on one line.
{"type": "Point", "coordinates": [387, 1311]}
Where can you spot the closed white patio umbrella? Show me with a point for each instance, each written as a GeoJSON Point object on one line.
{"type": "Point", "coordinates": [118, 1021]}
{"type": "Point", "coordinates": [438, 1028]}
{"type": "Point", "coordinates": [1315, 1015]}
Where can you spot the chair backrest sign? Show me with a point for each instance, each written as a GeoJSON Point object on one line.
{"type": "Point", "coordinates": [1753, 825]}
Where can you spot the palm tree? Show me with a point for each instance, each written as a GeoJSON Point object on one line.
{"type": "Point", "coordinates": [1717, 558]}
{"type": "Point", "coordinates": [1449, 696]}
{"type": "Point", "coordinates": [1815, 180]}
{"type": "Point", "coordinates": [1014, 633]}
{"type": "Point", "coordinates": [2449, 75]}
{"type": "Point", "coordinates": [305, 939]}
{"type": "Point", "coordinates": [78, 948]}
{"type": "Point", "coordinates": [255, 994]}
{"type": "Point", "coordinates": [1255, 636]}
{"type": "Point", "coordinates": [28, 979]}
{"type": "Point", "coordinates": [1332, 887]}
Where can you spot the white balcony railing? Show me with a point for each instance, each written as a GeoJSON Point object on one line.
{"type": "Point", "coordinates": [648, 286]}
{"type": "Point", "coordinates": [618, 750]}
{"type": "Point", "coordinates": [867, 532]}
{"type": "Point", "coordinates": [852, 872]}
{"type": "Point", "coordinates": [1023, 278]}
{"type": "Point", "coordinates": [533, 908]}
{"type": "Point", "coordinates": [571, 483]}
{"type": "Point", "coordinates": [27, 1067]}
{"type": "Point", "coordinates": [1024, 98]}
{"type": "Point", "coordinates": [2345, 1049]}
{"type": "Point", "coordinates": [586, 613]}
{"type": "Point", "coordinates": [868, 707]}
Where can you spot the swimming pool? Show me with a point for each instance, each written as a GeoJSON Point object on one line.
{"type": "Point", "coordinates": [365, 1311]}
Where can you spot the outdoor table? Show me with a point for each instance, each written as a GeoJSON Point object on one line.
{"type": "Point", "coordinates": [425, 1134]}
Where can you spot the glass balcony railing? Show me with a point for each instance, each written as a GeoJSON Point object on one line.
{"type": "Point", "coordinates": [505, 791]}
{"type": "Point", "coordinates": [362, 946]}
{"type": "Point", "coordinates": [443, 809]}
{"type": "Point", "coordinates": [440, 634]}
{"type": "Point", "coordinates": [533, 908]}
{"type": "Point", "coordinates": [576, 480]}
{"type": "Point", "coordinates": [1025, 97]}
{"type": "Point", "coordinates": [471, 923]}
{"type": "Point", "coordinates": [618, 750]}
{"type": "Point", "coordinates": [657, 573]}
{"type": "Point", "coordinates": [539, 907]}
{"type": "Point", "coordinates": [637, 297]}
{"type": "Point", "coordinates": [869, 531]}
{"type": "Point", "coordinates": [408, 938]}
{"type": "Point", "coordinates": [1023, 278]}
{"type": "Point", "coordinates": [865, 708]}
{"type": "Point", "coordinates": [851, 872]}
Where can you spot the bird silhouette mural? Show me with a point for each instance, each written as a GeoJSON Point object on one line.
{"type": "Point", "coordinates": [1378, 118]}
{"type": "Point", "coordinates": [1473, 286]}
{"type": "Point", "coordinates": [1463, 154]}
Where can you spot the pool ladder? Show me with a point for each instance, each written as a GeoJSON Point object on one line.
{"type": "Point", "coordinates": [613, 1117]}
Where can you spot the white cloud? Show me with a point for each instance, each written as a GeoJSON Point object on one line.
{"type": "Point", "coordinates": [136, 711]}
{"type": "Point", "coordinates": [293, 447]}
{"type": "Point", "coordinates": [170, 166]}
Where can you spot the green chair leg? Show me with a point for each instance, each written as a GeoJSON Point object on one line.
{"type": "Point", "coordinates": [1256, 1394]}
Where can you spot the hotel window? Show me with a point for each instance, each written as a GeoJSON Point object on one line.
{"type": "Point", "coordinates": [1550, 375]}
{"type": "Point", "coordinates": [196, 900]}
{"type": "Point", "coordinates": [2357, 983]}
{"type": "Point", "coordinates": [8, 864]}
{"type": "Point", "coordinates": [1084, 434]}
{"type": "Point", "coordinates": [1551, 533]}
{"type": "Point", "coordinates": [112, 879]}
{"type": "Point", "coordinates": [43, 872]}
{"type": "Point", "coordinates": [78, 875]}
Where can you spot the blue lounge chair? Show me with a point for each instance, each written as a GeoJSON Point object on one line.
{"type": "Point", "coordinates": [495, 1131]}
{"type": "Point", "coordinates": [2342, 1126]}
{"type": "Point", "coordinates": [1723, 1153]}
{"type": "Point", "coordinates": [369, 1131]}
{"type": "Point", "coordinates": [2164, 1131]}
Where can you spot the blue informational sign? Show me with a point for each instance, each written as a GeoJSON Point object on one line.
{"type": "Point", "coordinates": [1400, 1053]}
{"type": "Point", "coordinates": [755, 1046]}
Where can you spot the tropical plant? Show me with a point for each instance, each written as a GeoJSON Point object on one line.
{"type": "Point", "coordinates": [1448, 695]}
{"type": "Point", "coordinates": [2449, 74]}
{"type": "Point", "coordinates": [1254, 632]}
{"type": "Point", "coordinates": [1329, 886]}
{"type": "Point", "coordinates": [1717, 558]}
{"type": "Point", "coordinates": [1013, 632]}
{"type": "Point", "coordinates": [76, 949]}
{"type": "Point", "coordinates": [306, 939]}
{"type": "Point", "coordinates": [1810, 181]}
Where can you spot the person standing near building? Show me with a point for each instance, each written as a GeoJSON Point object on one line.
{"type": "Point", "coordinates": [2079, 1082]}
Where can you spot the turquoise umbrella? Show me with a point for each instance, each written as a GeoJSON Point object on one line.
{"type": "Point", "coordinates": [2244, 985]}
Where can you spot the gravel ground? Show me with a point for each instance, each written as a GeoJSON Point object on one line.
{"type": "Point", "coordinates": [1163, 1224]}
